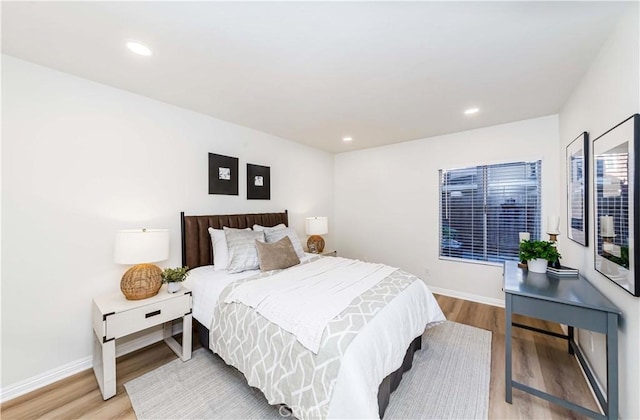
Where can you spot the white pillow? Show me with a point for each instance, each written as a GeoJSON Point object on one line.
{"type": "Point", "coordinates": [259, 228]}
{"type": "Point", "coordinates": [243, 254]}
{"type": "Point", "coordinates": [220, 248]}
{"type": "Point", "coordinates": [274, 235]}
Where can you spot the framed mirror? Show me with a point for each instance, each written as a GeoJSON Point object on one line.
{"type": "Point", "coordinates": [577, 191]}
{"type": "Point", "coordinates": [616, 190]}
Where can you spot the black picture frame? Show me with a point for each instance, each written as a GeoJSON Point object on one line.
{"type": "Point", "coordinates": [616, 177]}
{"type": "Point", "coordinates": [258, 182]}
{"type": "Point", "coordinates": [577, 189]}
{"type": "Point", "coordinates": [223, 174]}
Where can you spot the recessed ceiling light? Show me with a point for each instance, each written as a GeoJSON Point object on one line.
{"type": "Point", "coordinates": [471, 111]}
{"type": "Point", "coordinates": [347, 139]}
{"type": "Point", "coordinates": [138, 48]}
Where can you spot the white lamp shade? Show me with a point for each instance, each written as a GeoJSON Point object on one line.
{"type": "Point", "coordinates": [317, 225]}
{"type": "Point", "coordinates": [137, 246]}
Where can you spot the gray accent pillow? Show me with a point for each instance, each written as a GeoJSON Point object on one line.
{"type": "Point", "coordinates": [276, 255]}
{"type": "Point", "coordinates": [274, 235]}
{"type": "Point", "coordinates": [260, 227]}
{"type": "Point", "coordinates": [243, 255]}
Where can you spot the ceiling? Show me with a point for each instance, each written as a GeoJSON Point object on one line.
{"type": "Point", "coordinates": [315, 72]}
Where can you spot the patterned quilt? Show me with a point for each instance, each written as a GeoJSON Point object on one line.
{"type": "Point", "coordinates": [275, 362]}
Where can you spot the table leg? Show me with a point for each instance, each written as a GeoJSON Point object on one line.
{"type": "Point", "coordinates": [104, 366]}
{"type": "Point", "coordinates": [183, 351]}
{"type": "Point", "coordinates": [570, 329]}
{"type": "Point", "coordinates": [507, 349]}
{"type": "Point", "coordinates": [186, 337]}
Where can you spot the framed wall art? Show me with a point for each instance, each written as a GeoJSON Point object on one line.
{"type": "Point", "coordinates": [223, 174]}
{"type": "Point", "coordinates": [258, 182]}
{"type": "Point", "coordinates": [616, 176]}
{"type": "Point", "coordinates": [577, 191]}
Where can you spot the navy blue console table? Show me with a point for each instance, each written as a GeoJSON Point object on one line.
{"type": "Point", "coordinates": [572, 301]}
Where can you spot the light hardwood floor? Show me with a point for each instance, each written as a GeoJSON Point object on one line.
{"type": "Point", "coordinates": [538, 361]}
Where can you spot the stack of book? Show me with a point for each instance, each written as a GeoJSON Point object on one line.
{"type": "Point", "coordinates": [562, 271]}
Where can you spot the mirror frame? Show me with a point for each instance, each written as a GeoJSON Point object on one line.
{"type": "Point", "coordinates": [577, 189]}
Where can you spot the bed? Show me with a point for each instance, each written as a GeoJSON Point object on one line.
{"type": "Point", "coordinates": [363, 352]}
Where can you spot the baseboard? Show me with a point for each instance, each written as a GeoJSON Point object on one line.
{"type": "Point", "coordinates": [603, 391]}
{"type": "Point", "coordinates": [44, 379]}
{"type": "Point", "coordinates": [62, 372]}
{"type": "Point", "coordinates": [468, 296]}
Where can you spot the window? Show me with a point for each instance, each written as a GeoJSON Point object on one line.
{"type": "Point", "coordinates": [483, 208]}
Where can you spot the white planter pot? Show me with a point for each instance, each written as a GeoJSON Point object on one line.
{"type": "Point", "coordinates": [539, 265]}
{"type": "Point", "coordinates": [174, 287]}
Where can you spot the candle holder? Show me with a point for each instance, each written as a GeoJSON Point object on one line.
{"type": "Point", "coordinates": [523, 236]}
{"type": "Point", "coordinates": [553, 237]}
{"type": "Point", "coordinates": [553, 228]}
{"type": "Point", "coordinates": [608, 248]}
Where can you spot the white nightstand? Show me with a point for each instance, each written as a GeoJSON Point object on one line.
{"type": "Point", "coordinates": [114, 317]}
{"type": "Point", "coordinates": [332, 253]}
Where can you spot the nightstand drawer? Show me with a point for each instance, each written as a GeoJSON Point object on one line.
{"type": "Point", "coordinates": [126, 322]}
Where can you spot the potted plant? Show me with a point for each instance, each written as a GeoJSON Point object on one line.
{"type": "Point", "coordinates": [538, 254]}
{"type": "Point", "coordinates": [173, 277]}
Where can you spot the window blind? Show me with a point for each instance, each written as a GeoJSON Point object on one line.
{"type": "Point", "coordinates": [483, 208]}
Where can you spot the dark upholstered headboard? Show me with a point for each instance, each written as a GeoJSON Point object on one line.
{"type": "Point", "coordinates": [196, 242]}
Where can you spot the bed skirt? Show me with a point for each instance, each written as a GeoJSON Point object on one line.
{"type": "Point", "coordinates": [388, 385]}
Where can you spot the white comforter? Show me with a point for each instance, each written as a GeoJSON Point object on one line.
{"type": "Point", "coordinates": [315, 294]}
{"type": "Point", "coordinates": [373, 354]}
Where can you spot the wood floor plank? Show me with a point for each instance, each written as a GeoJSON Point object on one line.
{"type": "Point", "coordinates": [538, 360]}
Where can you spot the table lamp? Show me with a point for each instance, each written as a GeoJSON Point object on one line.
{"type": "Point", "coordinates": [141, 247]}
{"type": "Point", "coordinates": [316, 226]}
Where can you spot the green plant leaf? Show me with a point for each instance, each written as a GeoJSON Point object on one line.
{"type": "Point", "coordinates": [530, 250]}
{"type": "Point", "coordinates": [172, 275]}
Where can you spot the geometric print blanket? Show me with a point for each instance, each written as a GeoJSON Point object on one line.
{"type": "Point", "coordinates": [275, 362]}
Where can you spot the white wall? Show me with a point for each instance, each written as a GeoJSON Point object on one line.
{"type": "Point", "coordinates": [81, 160]}
{"type": "Point", "coordinates": [387, 199]}
{"type": "Point", "coordinates": [608, 94]}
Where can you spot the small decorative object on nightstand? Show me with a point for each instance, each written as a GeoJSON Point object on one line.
{"type": "Point", "coordinates": [174, 278]}
{"type": "Point", "coordinates": [141, 247]}
{"type": "Point", "coordinates": [115, 317]}
{"type": "Point", "coordinates": [316, 226]}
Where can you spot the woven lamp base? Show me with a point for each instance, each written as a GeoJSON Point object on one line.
{"type": "Point", "coordinates": [315, 242]}
{"type": "Point", "coordinates": [141, 281]}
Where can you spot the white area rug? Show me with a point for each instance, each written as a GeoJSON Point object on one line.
{"type": "Point", "coordinates": [449, 380]}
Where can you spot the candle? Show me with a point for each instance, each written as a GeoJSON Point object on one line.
{"type": "Point", "coordinates": [553, 223]}
{"type": "Point", "coordinates": [524, 236]}
{"type": "Point", "coordinates": [606, 227]}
